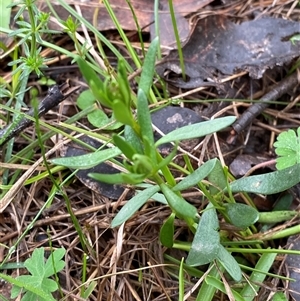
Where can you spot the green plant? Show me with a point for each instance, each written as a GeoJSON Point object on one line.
{"type": "Point", "coordinates": [151, 174]}
{"type": "Point", "coordinates": [38, 286]}
{"type": "Point", "coordinates": [144, 162]}
{"type": "Point", "coordinates": [287, 147]}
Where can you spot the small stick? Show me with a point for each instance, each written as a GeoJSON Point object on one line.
{"type": "Point", "coordinates": [56, 94]}
{"type": "Point", "coordinates": [248, 116]}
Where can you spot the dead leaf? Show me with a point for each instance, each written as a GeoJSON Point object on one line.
{"type": "Point", "coordinates": [219, 47]}
{"type": "Point", "coordinates": [144, 11]}
{"type": "Point", "coordinates": [243, 163]}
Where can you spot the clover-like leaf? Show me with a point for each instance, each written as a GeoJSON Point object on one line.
{"type": "Point", "coordinates": [37, 286]}
{"type": "Point", "coordinates": [287, 147]}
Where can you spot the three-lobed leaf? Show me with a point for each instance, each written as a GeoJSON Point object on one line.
{"type": "Point", "coordinates": [287, 147]}
{"type": "Point", "coordinates": [38, 284]}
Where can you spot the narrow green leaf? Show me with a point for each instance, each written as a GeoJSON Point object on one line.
{"type": "Point", "coordinates": [280, 296]}
{"type": "Point", "coordinates": [263, 265]}
{"type": "Point", "coordinates": [276, 216]}
{"type": "Point", "coordinates": [5, 13]}
{"type": "Point", "coordinates": [165, 161]}
{"type": "Point", "coordinates": [212, 281]}
{"type": "Point", "coordinates": [197, 130]}
{"type": "Point", "coordinates": [93, 80]}
{"type": "Point", "coordinates": [179, 205]}
{"type": "Point", "coordinates": [148, 67]}
{"type": "Point", "coordinates": [116, 178]}
{"type": "Point", "coordinates": [217, 178]}
{"type": "Point", "coordinates": [88, 291]}
{"type": "Point", "coordinates": [181, 280]}
{"type": "Point", "coordinates": [124, 86]}
{"type": "Point", "coordinates": [133, 178]}
{"type": "Point", "coordinates": [124, 146]}
{"type": "Point", "coordinates": [198, 175]}
{"type": "Point", "coordinates": [241, 215]}
{"type": "Point", "coordinates": [149, 149]}
{"type": "Point", "coordinates": [166, 234]}
{"type": "Point", "coordinates": [132, 138]}
{"type": "Point", "coordinates": [206, 243]}
{"type": "Point", "coordinates": [207, 292]}
{"type": "Point", "coordinates": [269, 183]}
{"type": "Point", "coordinates": [87, 161]}
{"type": "Point", "coordinates": [145, 123]}
{"type": "Point", "coordinates": [133, 205]}
{"type": "Point", "coordinates": [159, 197]}
{"type": "Point", "coordinates": [122, 112]}
{"type": "Point", "coordinates": [229, 264]}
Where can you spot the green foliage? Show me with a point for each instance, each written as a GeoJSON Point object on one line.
{"type": "Point", "coordinates": [97, 117]}
{"type": "Point", "coordinates": [142, 161]}
{"type": "Point", "coordinates": [295, 39]}
{"type": "Point", "coordinates": [206, 244]}
{"type": "Point", "coordinates": [167, 231]}
{"type": "Point", "coordinates": [88, 160]}
{"type": "Point", "coordinates": [241, 215]}
{"type": "Point", "coordinates": [38, 285]}
{"type": "Point", "coordinates": [262, 267]}
{"type": "Point", "coordinates": [32, 35]}
{"type": "Point", "coordinates": [287, 147]}
{"type": "Point", "coordinates": [269, 183]}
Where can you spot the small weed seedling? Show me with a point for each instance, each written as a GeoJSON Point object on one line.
{"type": "Point", "coordinates": [143, 161]}
{"type": "Point", "coordinates": [38, 286]}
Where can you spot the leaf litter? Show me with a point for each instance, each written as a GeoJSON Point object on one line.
{"type": "Point", "coordinates": [219, 47]}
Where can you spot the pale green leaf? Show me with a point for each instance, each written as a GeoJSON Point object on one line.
{"type": "Point", "coordinates": [287, 147]}
{"type": "Point", "coordinates": [166, 234]}
{"type": "Point", "coordinates": [269, 183]}
{"type": "Point", "coordinates": [197, 130]}
{"type": "Point", "coordinates": [131, 207]}
{"type": "Point", "coordinates": [206, 243]}
{"type": "Point", "coordinates": [198, 175]}
{"type": "Point", "coordinates": [241, 215]}
{"type": "Point", "coordinates": [148, 67]}
{"type": "Point", "coordinates": [87, 161]}
{"type": "Point", "coordinates": [229, 264]}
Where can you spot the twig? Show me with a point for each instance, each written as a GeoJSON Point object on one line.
{"type": "Point", "coordinates": [248, 116]}
{"type": "Point", "coordinates": [56, 94]}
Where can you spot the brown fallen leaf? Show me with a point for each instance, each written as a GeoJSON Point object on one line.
{"type": "Point", "coordinates": [219, 47]}
{"type": "Point", "coordinates": [144, 11]}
